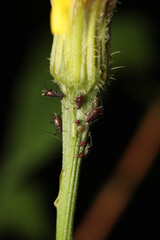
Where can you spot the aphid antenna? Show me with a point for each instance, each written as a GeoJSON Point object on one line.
{"type": "Point", "coordinates": [48, 99]}
{"type": "Point", "coordinates": [87, 147]}
{"type": "Point", "coordinates": [43, 84]}
{"type": "Point", "coordinates": [53, 134]}
{"type": "Point", "coordinates": [52, 115]}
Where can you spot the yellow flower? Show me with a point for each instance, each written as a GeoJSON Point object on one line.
{"type": "Point", "coordinates": [80, 54]}
{"type": "Point", "coordinates": [60, 14]}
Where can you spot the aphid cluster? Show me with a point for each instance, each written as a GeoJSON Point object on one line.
{"type": "Point", "coordinates": [86, 148]}
{"type": "Point", "coordinates": [90, 118]}
{"type": "Point", "coordinates": [57, 121]}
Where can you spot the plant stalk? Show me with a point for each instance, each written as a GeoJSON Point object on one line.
{"type": "Point", "coordinates": [69, 177]}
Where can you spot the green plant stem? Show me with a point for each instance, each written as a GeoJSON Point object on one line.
{"type": "Point", "coordinates": [69, 177]}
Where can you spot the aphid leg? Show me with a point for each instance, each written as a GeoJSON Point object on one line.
{"type": "Point", "coordinates": [90, 136]}
{"type": "Point", "coordinates": [43, 83]}
{"type": "Point", "coordinates": [88, 146]}
{"type": "Point", "coordinates": [55, 134]}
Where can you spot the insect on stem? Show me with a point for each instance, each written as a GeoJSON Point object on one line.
{"type": "Point", "coordinates": [93, 114]}
{"type": "Point", "coordinates": [57, 121]}
{"type": "Point", "coordinates": [79, 101]}
{"type": "Point", "coordinates": [83, 143]}
{"type": "Point", "coordinates": [51, 92]}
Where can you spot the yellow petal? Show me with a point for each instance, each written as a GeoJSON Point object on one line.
{"type": "Point", "coordinates": [59, 16]}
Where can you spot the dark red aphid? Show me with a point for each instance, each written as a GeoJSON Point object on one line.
{"type": "Point", "coordinates": [93, 114]}
{"type": "Point", "coordinates": [77, 122]}
{"type": "Point", "coordinates": [80, 155]}
{"type": "Point", "coordinates": [82, 143]}
{"type": "Point", "coordinates": [58, 123]}
{"type": "Point", "coordinates": [52, 93]}
{"type": "Point", "coordinates": [79, 101]}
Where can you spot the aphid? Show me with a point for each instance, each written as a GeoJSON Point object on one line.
{"type": "Point", "coordinates": [79, 101]}
{"type": "Point", "coordinates": [80, 129]}
{"type": "Point", "coordinates": [93, 114]}
{"type": "Point", "coordinates": [83, 143]}
{"type": "Point", "coordinates": [52, 93]}
{"type": "Point", "coordinates": [100, 72]}
{"type": "Point", "coordinates": [80, 155]}
{"type": "Point", "coordinates": [57, 121]}
{"type": "Point", "coordinates": [77, 122]}
{"type": "Point", "coordinates": [51, 134]}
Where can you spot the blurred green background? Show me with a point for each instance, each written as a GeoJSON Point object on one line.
{"type": "Point", "coordinates": [30, 160]}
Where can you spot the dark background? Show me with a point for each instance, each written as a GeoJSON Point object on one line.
{"type": "Point", "coordinates": [25, 25]}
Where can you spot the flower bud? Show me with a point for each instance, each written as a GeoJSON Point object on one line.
{"type": "Point", "coordinates": [80, 57]}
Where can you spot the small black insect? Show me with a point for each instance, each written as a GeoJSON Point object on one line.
{"type": "Point", "coordinates": [57, 121]}
{"type": "Point", "coordinates": [93, 114]}
{"type": "Point", "coordinates": [79, 101]}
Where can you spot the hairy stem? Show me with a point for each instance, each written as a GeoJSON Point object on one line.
{"type": "Point", "coordinates": [69, 177]}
